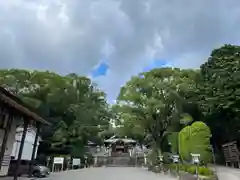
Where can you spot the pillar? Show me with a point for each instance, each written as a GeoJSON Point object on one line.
{"type": "Point", "coordinates": [95, 161]}
{"type": "Point", "coordinates": [145, 159]}
{"type": "Point", "coordinates": [34, 150]}
{"type": "Point", "coordinates": [5, 138]}
{"type": "Point", "coordinates": [25, 126]}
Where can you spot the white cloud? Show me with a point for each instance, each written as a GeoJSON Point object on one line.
{"type": "Point", "coordinates": [75, 35]}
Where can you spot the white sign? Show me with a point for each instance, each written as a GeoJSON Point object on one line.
{"type": "Point", "coordinates": [76, 162]}
{"type": "Point", "coordinates": [195, 158]}
{"type": "Point", "coordinates": [175, 158]}
{"type": "Point", "coordinates": [58, 160]}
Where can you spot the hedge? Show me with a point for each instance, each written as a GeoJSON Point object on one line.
{"type": "Point", "coordinates": [191, 169]}
{"type": "Point", "coordinates": [195, 139]}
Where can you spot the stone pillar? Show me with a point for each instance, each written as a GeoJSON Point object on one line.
{"type": "Point", "coordinates": [109, 151]}
{"type": "Point", "coordinates": [130, 151]}
{"type": "Point", "coordinates": [95, 161]}
{"type": "Point", "coordinates": [145, 159]}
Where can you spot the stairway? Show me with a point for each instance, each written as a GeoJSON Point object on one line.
{"type": "Point", "coordinates": [121, 160]}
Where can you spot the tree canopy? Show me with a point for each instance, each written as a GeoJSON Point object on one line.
{"type": "Point", "coordinates": [152, 107]}
{"type": "Point", "coordinates": [77, 110]}
{"type": "Point", "coordinates": [153, 102]}
{"type": "Point", "coordinates": [219, 93]}
{"type": "Point", "coordinates": [166, 100]}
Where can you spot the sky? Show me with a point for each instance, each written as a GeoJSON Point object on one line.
{"type": "Point", "coordinates": [112, 40]}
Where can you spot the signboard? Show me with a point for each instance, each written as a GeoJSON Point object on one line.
{"type": "Point", "coordinates": [6, 160]}
{"type": "Point", "coordinates": [58, 160]}
{"type": "Point", "coordinates": [195, 158]}
{"type": "Point", "coordinates": [175, 158]}
{"type": "Point", "coordinates": [76, 162]}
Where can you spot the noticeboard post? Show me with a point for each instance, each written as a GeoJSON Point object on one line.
{"type": "Point", "coordinates": [58, 160]}
{"type": "Point", "coordinates": [76, 162]}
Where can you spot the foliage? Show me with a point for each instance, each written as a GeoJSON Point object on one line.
{"type": "Point", "coordinates": [161, 104]}
{"type": "Point", "coordinates": [195, 139]}
{"type": "Point", "coordinates": [77, 110]}
{"type": "Point", "coordinates": [173, 139]}
{"type": "Point", "coordinates": [219, 93]}
{"type": "Point", "coordinates": [202, 170]}
{"type": "Point", "coordinates": [152, 157]}
{"type": "Point", "coordinates": [200, 138]}
{"type": "Point", "coordinates": [185, 144]}
{"type": "Point", "coordinates": [152, 103]}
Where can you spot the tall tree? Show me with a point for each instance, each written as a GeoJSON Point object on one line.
{"type": "Point", "coordinates": [219, 93]}
{"type": "Point", "coordinates": [73, 104]}
{"type": "Point", "coordinates": [154, 100]}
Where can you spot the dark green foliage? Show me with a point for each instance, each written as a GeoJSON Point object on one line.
{"type": "Point", "coordinates": [219, 93]}
{"type": "Point", "coordinates": [151, 105]}
{"type": "Point", "coordinates": [72, 103]}
{"type": "Point", "coordinates": [173, 139]}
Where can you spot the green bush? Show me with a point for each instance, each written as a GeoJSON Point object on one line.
{"type": "Point", "coordinates": [181, 167]}
{"type": "Point", "coordinates": [200, 141]}
{"type": "Point", "coordinates": [195, 139]}
{"type": "Point", "coordinates": [204, 171]}
{"type": "Point", "coordinates": [167, 158]}
{"type": "Point", "coordinates": [189, 168]}
{"type": "Point", "coordinates": [185, 143]}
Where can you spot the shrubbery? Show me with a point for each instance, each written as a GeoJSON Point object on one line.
{"type": "Point", "coordinates": [189, 168]}
{"type": "Point", "coordinates": [195, 139]}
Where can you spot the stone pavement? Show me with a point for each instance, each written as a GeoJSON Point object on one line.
{"type": "Point", "coordinates": [109, 173]}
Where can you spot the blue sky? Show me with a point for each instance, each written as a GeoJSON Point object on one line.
{"type": "Point", "coordinates": [156, 64]}
{"type": "Point", "coordinates": [102, 68]}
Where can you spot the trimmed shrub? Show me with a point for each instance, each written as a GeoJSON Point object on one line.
{"type": "Point", "coordinates": [204, 171]}
{"type": "Point", "coordinates": [200, 141]}
{"type": "Point", "coordinates": [191, 169]}
{"type": "Point", "coordinates": [185, 144]}
{"type": "Point", "coordinates": [195, 139]}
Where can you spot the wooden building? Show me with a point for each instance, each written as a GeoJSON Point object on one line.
{"type": "Point", "coordinates": [231, 154]}
{"type": "Point", "coordinates": [13, 113]}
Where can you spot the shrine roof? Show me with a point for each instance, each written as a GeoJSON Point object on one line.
{"type": "Point", "coordinates": [125, 140]}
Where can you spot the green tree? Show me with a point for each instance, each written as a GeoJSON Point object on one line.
{"type": "Point", "coordinates": [219, 93]}
{"type": "Point", "coordinates": [154, 101]}
{"type": "Point", "coordinates": [73, 104]}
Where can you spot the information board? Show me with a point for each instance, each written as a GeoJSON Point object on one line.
{"type": "Point", "coordinates": [76, 161]}
{"type": "Point", "coordinates": [58, 160]}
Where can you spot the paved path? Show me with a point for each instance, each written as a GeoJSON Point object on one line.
{"type": "Point", "coordinates": [108, 173]}
{"type": "Point", "coordinates": [227, 173]}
